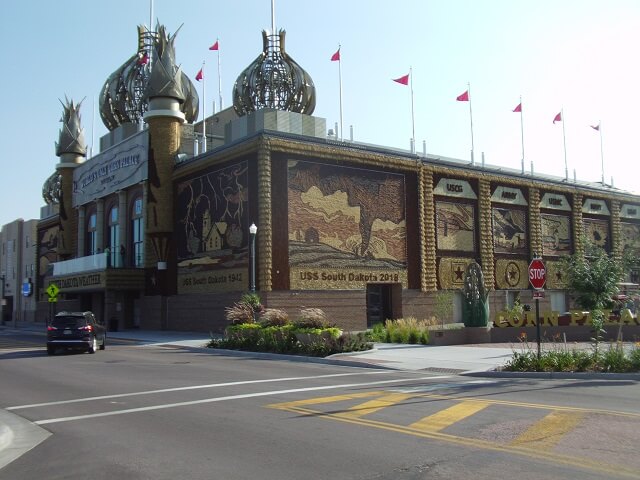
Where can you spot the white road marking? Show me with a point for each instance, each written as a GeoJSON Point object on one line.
{"type": "Point", "coordinates": [230, 397]}
{"type": "Point", "coordinates": [194, 387]}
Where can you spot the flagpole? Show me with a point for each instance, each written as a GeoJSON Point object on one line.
{"type": "Point", "coordinates": [522, 133]}
{"type": "Point", "coordinates": [204, 114]}
{"type": "Point", "coordinates": [413, 120]}
{"type": "Point", "coordinates": [601, 151]}
{"type": "Point", "coordinates": [340, 80]}
{"type": "Point", "coordinates": [564, 140]}
{"type": "Point", "coordinates": [471, 119]}
{"type": "Point", "coordinates": [219, 77]}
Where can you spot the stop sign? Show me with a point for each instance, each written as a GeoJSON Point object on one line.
{"type": "Point", "coordinates": [537, 273]}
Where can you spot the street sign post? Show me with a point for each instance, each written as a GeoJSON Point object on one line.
{"type": "Point", "coordinates": [537, 279]}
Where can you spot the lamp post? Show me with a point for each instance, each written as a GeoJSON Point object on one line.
{"type": "Point", "coordinates": [252, 253]}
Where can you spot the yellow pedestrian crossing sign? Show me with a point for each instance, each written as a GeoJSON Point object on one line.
{"type": "Point", "coordinates": [52, 291]}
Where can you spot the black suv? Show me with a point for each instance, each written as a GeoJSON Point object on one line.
{"type": "Point", "coordinates": [78, 330]}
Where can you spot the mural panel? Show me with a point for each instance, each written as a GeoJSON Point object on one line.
{"type": "Point", "coordinates": [630, 237]}
{"type": "Point", "coordinates": [455, 223]}
{"type": "Point", "coordinates": [512, 274]}
{"type": "Point", "coordinates": [347, 226]}
{"type": "Point", "coordinates": [556, 235]}
{"type": "Point", "coordinates": [451, 272]}
{"type": "Point", "coordinates": [510, 231]}
{"type": "Point", "coordinates": [212, 231]}
{"type": "Point", "coordinates": [597, 232]}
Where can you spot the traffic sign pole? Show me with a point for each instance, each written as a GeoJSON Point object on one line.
{"type": "Point", "coordinates": [537, 279]}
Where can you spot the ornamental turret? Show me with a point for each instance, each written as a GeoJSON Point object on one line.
{"type": "Point", "coordinates": [274, 80]}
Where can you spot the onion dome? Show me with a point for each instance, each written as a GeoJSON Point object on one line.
{"type": "Point", "coordinates": [71, 139]}
{"type": "Point", "coordinates": [274, 80]}
{"type": "Point", "coordinates": [52, 189]}
{"type": "Point", "coordinates": [124, 98]}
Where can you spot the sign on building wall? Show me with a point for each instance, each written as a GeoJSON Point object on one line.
{"type": "Point", "coordinates": [508, 195]}
{"type": "Point", "coordinates": [347, 226]}
{"type": "Point", "coordinates": [115, 169]}
{"type": "Point", "coordinates": [630, 211]}
{"type": "Point", "coordinates": [450, 187]}
{"type": "Point", "coordinates": [597, 207]}
{"type": "Point", "coordinates": [555, 201]}
{"type": "Point", "coordinates": [212, 231]}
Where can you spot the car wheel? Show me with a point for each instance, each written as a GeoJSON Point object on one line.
{"type": "Point", "coordinates": [104, 342]}
{"type": "Point", "coordinates": [50, 350]}
{"type": "Point", "coordinates": [94, 345]}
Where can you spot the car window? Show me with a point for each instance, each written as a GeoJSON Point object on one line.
{"type": "Point", "coordinates": [68, 322]}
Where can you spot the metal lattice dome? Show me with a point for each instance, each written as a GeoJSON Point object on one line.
{"type": "Point", "coordinates": [274, 80]}
{"type": "Point", "coordinates": [123, 97]}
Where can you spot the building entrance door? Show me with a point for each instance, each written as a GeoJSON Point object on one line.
{"type": "Point", "coordinates": [379, 303]}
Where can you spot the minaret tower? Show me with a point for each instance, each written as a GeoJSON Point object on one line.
{"type": "Point", "coordinates": [72, 150]}
{"type": "Point", "coordinates": [164, 117]}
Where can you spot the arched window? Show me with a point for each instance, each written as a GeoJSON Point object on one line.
{"type": "Point", "coordinates": [91, 245]}
{"type": "Point", "coordinates": [114, 259]}
{"type": "Point", "coordinates": [137, 234]}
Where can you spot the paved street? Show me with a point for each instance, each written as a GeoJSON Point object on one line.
{"type": "Point", "coordinates": [148, 411]}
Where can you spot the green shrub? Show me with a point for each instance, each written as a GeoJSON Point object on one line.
{"type": "Point", "coordinates": [407, 330]}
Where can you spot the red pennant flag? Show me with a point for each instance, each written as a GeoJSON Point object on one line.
{"type": "Point", "coordinates": [557, 118]}
{"type": "Point", "coordinates": [199, 75]}
{"type": "Point", "coordinates": [404, 80]}
{"type": "Point", "coordinates": [463, 97]}
{"type": "Point", "coordinates": [596, 127]}
{"type": "Point", "coordinates": [144, 59]}
{"type": "Point", "coordinates": [214, 46]}
{"type": "Point", "coordinates": [336, 56]}
{"type": "Point", "coordinates": [518, 108]}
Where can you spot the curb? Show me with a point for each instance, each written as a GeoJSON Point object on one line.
{"type": "Point", "coordinates": [557, 375]}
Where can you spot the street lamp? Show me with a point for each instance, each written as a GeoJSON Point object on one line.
{"type": "Point", "coordinates": [252, 253]}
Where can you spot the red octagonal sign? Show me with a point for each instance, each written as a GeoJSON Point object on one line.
{"type": "Point", "coordinates": [537, 273]}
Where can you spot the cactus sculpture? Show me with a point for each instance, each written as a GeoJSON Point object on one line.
{"type": "Point", "coordinates": [475, 307]}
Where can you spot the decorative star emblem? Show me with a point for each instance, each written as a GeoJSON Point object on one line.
{"type": "Point", "coordinates": [459, 272]}
{"type": "Point", "coordinates": [512, 274]}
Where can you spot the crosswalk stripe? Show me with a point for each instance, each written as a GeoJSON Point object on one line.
{"type": "Point", "coordinates": [372, 406]}
{"type": "Point", "coordinates": [546, 433]}
{"type": "Point", "coordinates": [444, 418]}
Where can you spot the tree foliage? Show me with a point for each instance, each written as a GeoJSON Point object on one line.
{"type": "Point", "coordinates": [593, 277]}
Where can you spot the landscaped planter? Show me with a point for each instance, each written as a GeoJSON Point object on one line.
{"type": "Point", "coordinates": [307, 338]}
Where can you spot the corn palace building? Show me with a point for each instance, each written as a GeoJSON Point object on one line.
{"type": "Point", "coordinates": [154, 231]}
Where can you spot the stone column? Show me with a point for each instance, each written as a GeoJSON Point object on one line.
{"type": "Point", "coordinates": [428, 274]}
{"type": "Point", "coordinates": [81, 230]}
{"type": "Point", "coordinates": [123, 224]}
{"type": "Point", "coordinates": [535, 222]}
{"type": "Point", "coordinates": [67, 215]}
{"type": "Point", "coordinates": [100, 243]}
{"type": "Point", "coordinates": [265, 236]}
{"type": "Point", "coordinates": [616, 240]}
{"type": "Point", "coordinates": [486, 233]}
{"type": "Point", "coordinates": [578, 229]}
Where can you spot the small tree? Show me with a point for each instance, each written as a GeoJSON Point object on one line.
{"type": "Point", "coordinates": [593, 278]}
{"type": "Point", "coordinates": [444, 306]}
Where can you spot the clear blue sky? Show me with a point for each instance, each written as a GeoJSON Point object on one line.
{"type": "Point", "coordinates": [580, 56]}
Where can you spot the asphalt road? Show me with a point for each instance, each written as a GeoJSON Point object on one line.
{"type": "Point", "coordinates": [148, 412]}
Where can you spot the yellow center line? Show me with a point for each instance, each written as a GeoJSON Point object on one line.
{"type": "Point", "coordinates": [546, 433]}
{"type": "Point", "coordinates": [448, 416]}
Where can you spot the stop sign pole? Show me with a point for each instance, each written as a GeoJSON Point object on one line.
{"type": "Point", "coordinates": [537, 279]}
